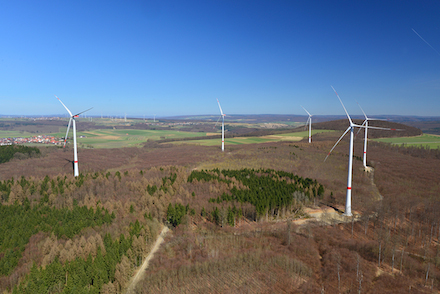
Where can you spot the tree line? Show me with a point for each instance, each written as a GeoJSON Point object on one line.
{"type": "Point", "coordinates": [8, 152]}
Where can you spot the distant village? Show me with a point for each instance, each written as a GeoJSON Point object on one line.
{"type": "Point", "coordinates": [41, 139]}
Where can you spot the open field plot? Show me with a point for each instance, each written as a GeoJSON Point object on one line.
{"type": "Point", "coordinates": [231, 141]}
{"type": "Point", "coordinates": [265, 125]}
{"type": "Point", "coordinates": [304, 134]}
{"type": "Point", "coordinates": [290, 123]}
{"type": "Point", "coordinates": [117, 138]}
{"type": "Point", "coordinates": [425, 140]}
{"type": "Point", "coordinates": [15, 134]}
{"type": "Point", "coordinates": [297, 136]}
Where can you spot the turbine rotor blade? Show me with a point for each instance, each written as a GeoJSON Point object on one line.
{"type": "Point", "coordinates": [68, 127]}
{"type": "Point", "coordinates": [221, 111]}
{"type": "Point", "coordinates": [306, 111]}
{"type": "Point", "coordinates": [361, 128]}
{"type": "Point", "coordinates": [217, 121]}
{"type": "Point", "coordinates": [349, 118]}
{"type": "Point", "coordinates": [362, 111]}
{"type": "Point", "coordinates": [76, 115]}
{"type": "Point", "coordinates": [308, 120]}
{"type": "Point", "coordinates": [340, 138]}
{"type": "Point", "coordinates": [378, 128]}
{"type": "Point", "coordinates": [64, 106]}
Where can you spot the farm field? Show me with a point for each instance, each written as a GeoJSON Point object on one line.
{"type": "Point", "coordinates": [15, 134]}
{"type": "Point", "coordinates": [297, 136]}
{"type": "Point", "coordinates": [119, 138]}
{"type": "Point", "coordinates": [128, 138]}
{"type": "Point", "coordinates": [112, 138]}
{"type": "Point", "coordinates": [425, 140]}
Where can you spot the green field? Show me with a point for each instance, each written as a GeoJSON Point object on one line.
{"type": "Point", "coordinates": [425, 140]}
{"type": "Point", "coordinates": [117, 138]}
{"type": "Point", "coordinates": [127, 138]}
{"type": "Point", "coordinates": [297, 136]}
{"type": "Point", "coordinates": [16, 134]}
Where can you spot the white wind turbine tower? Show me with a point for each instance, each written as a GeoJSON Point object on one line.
{"type": "Point", "coordinates": [350, 155]}
{"type": "Point", "coordinates": [365, 123]}
{"type": "Point", "coordinates": [309, 121]}
{"type": "Point", "coordinates": [75, 151]}
{"type": "Point", "coordinates": [223, 125]}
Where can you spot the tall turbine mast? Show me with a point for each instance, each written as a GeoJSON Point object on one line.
{"type": "Point", "coordinates": [309, 121]}
{"type": "Point", "coordinates": [222, 115]}
{"type": "Point", "coordinates": [75, 150]}
{"type": "Point", "coordinates": [350, 155]}
{"type": "Point", "coordinates": [365, 123]}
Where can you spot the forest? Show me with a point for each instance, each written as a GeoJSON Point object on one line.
{"type": "Point", "coordinates": [241, 221]}
{"type": "Point", "coordinates": [57, 237]}
{"type": "Point", "coordinates": [8, 152]}
{"type": "Point", "coordinates": [62, 207]}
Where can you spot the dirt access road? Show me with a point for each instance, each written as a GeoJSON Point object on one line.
{"type": "Point", "coordinates": [141, 271]}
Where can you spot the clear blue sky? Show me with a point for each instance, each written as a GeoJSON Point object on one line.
{"type": "Point", "coordinates": [177, 57]}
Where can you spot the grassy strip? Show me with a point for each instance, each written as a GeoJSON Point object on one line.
{"type": "Point", "coordinates": [425, 140]}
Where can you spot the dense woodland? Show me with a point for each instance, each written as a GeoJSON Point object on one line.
{"type": "Point", "coordinates": [19, 151]}
{"type": "Point", "coordinates": [239, 220]}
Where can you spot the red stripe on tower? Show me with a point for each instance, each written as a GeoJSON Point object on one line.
{"type": "Point", "coordinates": [348, 188]}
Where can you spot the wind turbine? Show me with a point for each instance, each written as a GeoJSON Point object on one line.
{"type": "Point", "coordinates": [75, 151]}
{"type": "Point", "coordinates": [223, 125]}
{"type": "Point", "coordinates": [350, 155]}
{"type": "Point", "coordinates": [309, 121]}
{"type": "Point", "coordinates": [365, 123]}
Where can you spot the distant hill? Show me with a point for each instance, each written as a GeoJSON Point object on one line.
{"type": "Point", "coordinates": [261, 118]}
{"type": "Point", "coordinates": [257, 118]}
{"type": "Point", "coordinates": [197, 123]}
{"type": "Point", "coordinates": [342, 125]}
{"type": "Point", "coordinates": [429, 127]}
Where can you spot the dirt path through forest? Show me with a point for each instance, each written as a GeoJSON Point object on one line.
{"type": "Point", "coordinates": [141, 271]}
